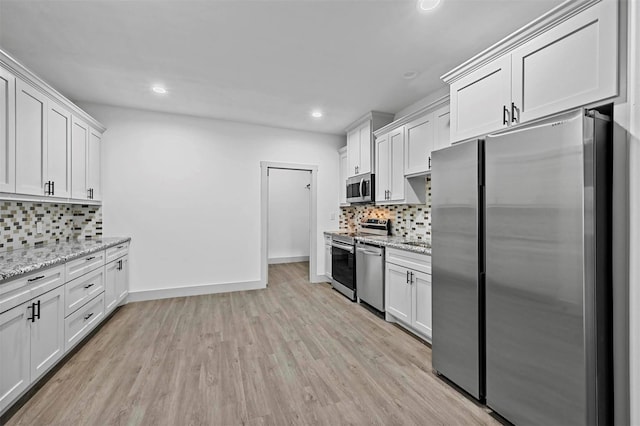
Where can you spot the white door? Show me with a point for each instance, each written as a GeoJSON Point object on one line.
{"type": "Point", "coordinates": [383, 163]}
{"type": "Point", "coordinates": [93, 165]}
{"type": "Point", "coordinates": [481, 101]}
{"type": "Point", "coordinates": [421, 320]}
{"type": "Point", "coordinates": [353, 152]}
{"type": "Point", "coordinates": [122, 288]}
{"type": "Point", "coordinates": [396, 175]}
{"type": "Point", "coordinates": [31, 146]}
{"type": "Point", "coordinates": [420, 135]}
{"type": "Point", "coordinates": [47, 331]}
{"type": "Point", "coordinates": [573, 64]}
{"type": "Point", "coordinates": [111, 285]}
{"type": "Point", "coordinates": [398, 300]}
{"type": "Point", "coordinates": [14, 353]}
{"type": "Point", "coordinates": [7, 132]}
{"type": "Point", "coordinates": [79, 142]}
{"type": "Point", "coordinates": [443, 128]}
{"type": "Point", "coordinates": [59, 150]}
{"type": "Point", "coordinates": [365, 148]}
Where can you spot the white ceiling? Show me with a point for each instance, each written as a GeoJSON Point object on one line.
{"type": "Point", "coordinates": [263, 61]}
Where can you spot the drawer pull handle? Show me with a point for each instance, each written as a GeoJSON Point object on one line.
{"type": "Point", "coordinates": [36, 278]}
{"type": "Point", "coordinates": [86, 317]}
{"type": "Point", "coordinates": [119, 247]}
{"type": "Point", "coordinates": [90, 258]}
{"type": "Point", "coordinates": [89, 286]}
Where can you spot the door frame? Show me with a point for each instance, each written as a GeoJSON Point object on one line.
{"type": "Point", "coordinates": [264, 218]}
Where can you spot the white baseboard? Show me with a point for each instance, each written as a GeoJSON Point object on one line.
{"type": "Point", "coordinates": [276, 260]}
{"type": "Point", "coordinates": [194, 290]}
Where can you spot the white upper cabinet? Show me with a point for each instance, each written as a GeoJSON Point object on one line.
{"type": "Point", "coordinates": [58, 178]}
{"type": "Point", "coordinates": [93, 164]}
{"type": "Point", "coordinates": [442, 119]}
{"type": "Point", "coordinates": [7, 132]}
{"type": "Point", "coordinates": [565, 59]}
{"type": "Point", "coordinates": [572, 64]}
{"type": "Point", "coordinates": [344, 168]}
{"type": "Point", "coordinates": [479, 101]}
{"type": "Point", "coordinates": [383, 168]}
{"type": "Point", "coordinates": [420, 142]}
{"type": "Point", "coordinates": [396, 165]}
{"type": "Point", "coordinates": [79, 144]}
{"type": "Point", "coordinates": [360, 149]}
{"type": "Point", "coordinates": [31, 146]}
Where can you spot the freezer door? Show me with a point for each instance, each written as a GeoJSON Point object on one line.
{"type": "Point", "coordinates": [456, 263]}
{"type": "Point", "coordinates": [536, 360]}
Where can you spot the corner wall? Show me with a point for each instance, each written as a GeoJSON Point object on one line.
{"type": "Point", "coordinates": [187, 190]}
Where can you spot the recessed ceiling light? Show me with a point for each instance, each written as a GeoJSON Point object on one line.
{"type": "Point", "coordinates": [316, 114]}
{"type": "Point", "coordinates": [159, 89]}
{"type": "Point", "coordinates": [427, 5]}
{"type": "Point", "coordinates": [410, 75]}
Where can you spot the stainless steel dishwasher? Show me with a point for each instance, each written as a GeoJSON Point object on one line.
{"type": "Point", "coordinates": [370, 274]}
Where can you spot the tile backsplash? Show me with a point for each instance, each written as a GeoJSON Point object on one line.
{"type": "Point", "coordinates": [60, 222]}
{"type": "Point", "coordinates": [410, 221]}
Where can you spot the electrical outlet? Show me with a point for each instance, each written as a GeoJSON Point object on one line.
{"type": "Point", "coordinates": [39, 228]}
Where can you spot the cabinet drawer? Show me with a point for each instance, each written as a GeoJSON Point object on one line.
{"type": "Point", "coordinates": [82, 321]}
{"type": "Point", "coordinates": [88, 263]}
{"type": "Point", "coordinates": [116, 252]}
{"type": "Point", "coordinates": [83, 289]}
{"type": "Point", "coordinates": [408, 259]}
{"type": "Point", "coordinates": [29, 286]}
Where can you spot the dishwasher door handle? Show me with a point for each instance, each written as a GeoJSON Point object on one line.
{"type": "Point", "coordinates": [371, 253]}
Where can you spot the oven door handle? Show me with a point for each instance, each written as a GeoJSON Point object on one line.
{"type": "Point", "coordinates": [345, 247]}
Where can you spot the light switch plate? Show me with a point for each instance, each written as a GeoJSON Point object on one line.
{"type": "Point", "coordinates": [333, 216]}
{"type": "Point", "coordinates": [39, 228]}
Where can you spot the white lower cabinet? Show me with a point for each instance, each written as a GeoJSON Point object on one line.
{"type": "Point", "coordinates": [116, 282]}
{"type": "Point", "coordinates": [15, 347]}
{"type": "Point", "coordinates": [82, 321]}
{"type": "Point", "coordinates": [408, 290]}
{"type": "Point", "coordinates": [327, 256]}
{"type": "Point", "coordinates": [47, 331]}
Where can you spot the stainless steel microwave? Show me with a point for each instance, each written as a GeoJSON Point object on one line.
{"type": "Point", "coordinates": [360, 189]}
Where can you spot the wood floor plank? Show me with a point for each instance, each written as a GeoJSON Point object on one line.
{"type": "Point", "coordinates": [295, 353]}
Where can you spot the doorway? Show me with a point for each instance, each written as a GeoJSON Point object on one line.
{"type": "Point", "coordinates": [278, 244]}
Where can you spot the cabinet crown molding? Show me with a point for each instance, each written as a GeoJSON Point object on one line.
{"type": "Point", "coordinates": [438, 103]}
{"type": "Point", "coordinates": [19, 70]}
{"type": "Point", "coordinates": [536, 27]}
{"type": "Point", "coordinates": [370, 116]}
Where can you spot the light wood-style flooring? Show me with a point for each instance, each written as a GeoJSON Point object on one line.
{"type": "Point", "coordinates": [293, 354]}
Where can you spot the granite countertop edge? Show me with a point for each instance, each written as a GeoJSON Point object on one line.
{"type": "Point", "coordinates": [388, 241]}
{"type": "Point", "coordinates": [14, 269]}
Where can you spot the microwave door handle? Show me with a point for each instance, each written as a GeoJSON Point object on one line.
{"type": "Point", "coordinates": [362, 187]}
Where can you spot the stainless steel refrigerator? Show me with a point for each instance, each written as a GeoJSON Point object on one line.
{"type": "Point", "coordinates": [522, 269]}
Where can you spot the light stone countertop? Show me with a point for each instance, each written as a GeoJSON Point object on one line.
{"type": "Point", "coordinates": [396, 242]}
{"type": "Point", "coordinates": [18, 262]}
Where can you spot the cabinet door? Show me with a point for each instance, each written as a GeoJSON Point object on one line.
{"type": "Point", "coordinates": [421, 320]}
{"type": "Point", "coordinates": [396, 175]}
{"type": "Point", "coordinates": [443, 128]}
{"type": "Point", "coordinates": [7, 132]}
{"type": "Point", "coordinates": [79, 142]}
{"type": "Point", "coordinates": [59, 150]}
{"type": "Point", "coordinates": [481, 101]}
{"type": "Point", "coordinates": [122, 289]}
{"type": "Point", "coordinates": [383, 163]}
{"type": "Point", "coordinates": [111, 285]}
{"type": "Point", "coordinates": [398, 293]}
{"type": "Point", "coordinates": [344, 167]}
{"type": "Point", "coordinates": [327, 260]}
{"type": "Point", "coordinates": [47, 332]}
{"type": "Point", "coordinates": [353, 152]}
{"type": "Point", "coordinates": [573, 64]}
{"type": "Point", "coordinates": [31, 147]}
{"type": "Point", "coordinates": [419, 143]}
{"type": "Point", "coordinates": [93, 164]}
{"type": "Point", "coordinates": [14, 353]}
{"type": "Point", "coordinates": [365, 138]}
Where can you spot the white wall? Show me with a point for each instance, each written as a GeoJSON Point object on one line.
{"type": "Point", "coordinates": [187, 190]}
{"type": "Point", "coordinates": [289, 200]}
